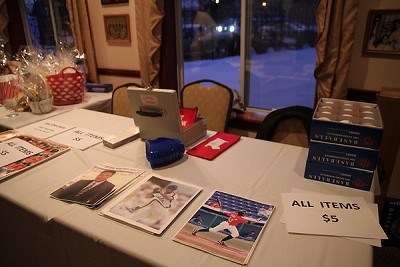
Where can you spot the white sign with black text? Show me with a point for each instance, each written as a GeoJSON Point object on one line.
{"type": "Point", "coordinates": [45, 128]}
{"type": "Point", "coordinates": [16, 149]}
{"type": "Point", "coordinates": [79, 138]}
{"type": "Point", "coordinates": [330, 215]}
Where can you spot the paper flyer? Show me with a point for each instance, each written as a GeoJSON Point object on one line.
{"type": "Point", "coordinates": [79, 138]}
{"type": "Point", "coordinates": [45, 128]}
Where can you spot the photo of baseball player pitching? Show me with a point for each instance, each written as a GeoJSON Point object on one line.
{"type": "Point", "coordinates": [225, 225]}
{"type": "Point", "coordinates": [152, 204]}
{"type": "Point", "coordinates": [157, 205]}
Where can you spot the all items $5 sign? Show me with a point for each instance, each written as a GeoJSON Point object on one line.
{"type": "Point", "coordinates": [330, 215]}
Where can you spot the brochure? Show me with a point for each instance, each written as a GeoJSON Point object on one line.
{"type": "Point", "coordinates": [227, 226]}
{"type": "Point", "coordinates": [152, 204]}
{"type": "Point", "coordinates": [45, 128]}
{"type": "Point", "coordinates": [45, 150]}
{"type": "Point", "coordinates": [97, 184]}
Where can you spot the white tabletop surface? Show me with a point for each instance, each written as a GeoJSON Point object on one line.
{"type": "Point", "coordinates": [92, 100]}
{"type": "Point", "coordinates": [76, 236]}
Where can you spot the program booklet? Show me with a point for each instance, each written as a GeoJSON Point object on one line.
{"type": "Point", "coordinates": [227, 226]}
{"type": "Point", "coordinates": [152, 204]}
{"type": "Point", "coordinates": [19, 152]}
{"type": "Point", "coordinates": [97, 184]}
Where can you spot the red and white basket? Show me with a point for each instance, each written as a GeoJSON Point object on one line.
{"type": "Point", "coordinates": [67, 86]}
{"type": "Point", "coordinates": [8, 87]}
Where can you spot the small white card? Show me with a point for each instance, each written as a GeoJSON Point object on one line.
{"type": "Point", "coordinates": [16, 149]}
{"type": "Point", "coordinates": [79, 138]}
{"type": "Point", "coordinates": [45, 128]}
{"type": "Point", "coordinates": [330, 215]}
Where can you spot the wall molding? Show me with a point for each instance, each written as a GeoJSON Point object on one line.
{"type": "Point", "coordinates": [361, 95]}
{"type": "Point", "coordinates": [119, 72]}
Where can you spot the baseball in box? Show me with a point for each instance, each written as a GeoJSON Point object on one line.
{"type": "Point", "coordinates": [339, 175]}
{"type": "Point", "coordinates": [347, 122]}
{"type": "Point", "coordinates": [347, 156]}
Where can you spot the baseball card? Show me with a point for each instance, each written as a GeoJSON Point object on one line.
{"type": "Point", "coordinates": [152, 204]}
{"type": "Point", "coordinates": [227, 226]}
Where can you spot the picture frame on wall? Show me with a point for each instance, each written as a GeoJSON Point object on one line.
{"type": "Point", "coordinates": [117, 29]}
{"type": "Point", "coordinates": [382, 34]}
{"type": "Point", "coordinates": [109, 2]}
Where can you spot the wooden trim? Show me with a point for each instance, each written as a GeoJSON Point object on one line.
{"type": "Point", "coordinates": [250, 121]}
{"type": "Point", "coordinates": [362, 95]}
{"type": "Point", "coordinates": [119, 72]}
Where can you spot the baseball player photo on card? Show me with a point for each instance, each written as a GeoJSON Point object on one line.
{"type": "Point", "coordinates": [227, 226]}
{"type": "Point", "coordinates": [152, 204]}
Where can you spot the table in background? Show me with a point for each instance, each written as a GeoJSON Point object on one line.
{"type": "Point", "coordinates": [37, 229]}
{"type": "Point", "coordinates": [93, 101]}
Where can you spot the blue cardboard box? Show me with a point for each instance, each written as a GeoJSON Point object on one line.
{"type": "Point", "coordinates": [347, 122]}
{"type": "Point", "coordinates": [346, 134]}
{"type": "Point", "coordinates": [99, 87]}
{"type": "Point", "coordinates": [339, 175]}
{"type": "Point", "coordinates": [346, 156]}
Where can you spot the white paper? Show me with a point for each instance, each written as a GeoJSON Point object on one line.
{"type": "Point", "coordinates": [369, 241]}
{"type": "Point", "coordinates": [330, 215]}
{"type": "Point", "coordinates": [16, 149]}
{"type": "Point", "coordinates": [79, 138]}
{"type": "Point", "coordinates": [45, 128]}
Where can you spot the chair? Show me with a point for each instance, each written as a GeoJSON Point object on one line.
{"type": "Point", "coordinates": [120, 101]}
{"type": "Point", "coordinates": [213, 100]}
{"type": "Point", "coordinates": [290, 125]}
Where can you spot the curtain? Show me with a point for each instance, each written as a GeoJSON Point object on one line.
{"type": "Point", "coordinates": [149, 15]}
{"type": "Point", "coordinates": [4, 20]}
{"type": "Point", "coordinates": [336, 20]}
{"type": "Point", "coordinates": [80, 26]}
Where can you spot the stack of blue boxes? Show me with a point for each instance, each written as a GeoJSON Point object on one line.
{"type": "Point", "coordinates": [344, 143]}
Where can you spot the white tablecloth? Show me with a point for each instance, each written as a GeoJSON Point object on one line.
{"type": "Point", "coordinates": [93, 101]}
{"type": "Point", "coordinates": [42, 231]}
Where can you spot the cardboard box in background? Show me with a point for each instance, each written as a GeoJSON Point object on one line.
{"type": "Point", "coordinates": [390, 112]}
{"type": "Point", "coordinates": [390, 215]}
{"type": "Point", "coordinates": [390, 222]}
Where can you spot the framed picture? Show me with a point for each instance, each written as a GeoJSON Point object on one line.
{"type": "Point", "coordinates": [117, 29]}
{"type": "Point", "coordinates": [108, 2]}
{"type": "Point", "coordinates": [382, 34]}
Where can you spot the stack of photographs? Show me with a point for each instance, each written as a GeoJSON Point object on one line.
{"type": "Point", "coordinates": [97, 184]}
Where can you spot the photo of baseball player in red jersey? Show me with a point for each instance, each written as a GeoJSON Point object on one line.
{"type": "Point", "coordinates": [226, 221]}
{"type": "Point", "coordinates": [231, 224]}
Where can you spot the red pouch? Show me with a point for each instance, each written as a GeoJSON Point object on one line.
{"type": "Point", "coordinates": [188, 116]}
{"type": "Point", "coordinates": [214, 146]}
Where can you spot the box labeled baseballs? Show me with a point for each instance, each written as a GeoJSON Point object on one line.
{"type": "Point", "coordinates": [342, 155]}
{"type": "Point", "coordinates": [339, 175]}
{"type": "Point", "coordinates": [347, 122]}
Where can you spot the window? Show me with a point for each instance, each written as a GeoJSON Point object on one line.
{"type": "Point", "coordinates": [47, 23]}
{"type": "Point", "coordinates": [264, 49]}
